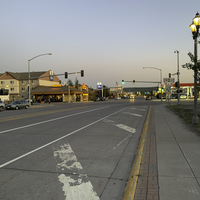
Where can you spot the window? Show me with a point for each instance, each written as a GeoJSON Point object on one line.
{"type": "Point", "coordinates": [33, 81]}
{"type": "Point", "coordinates": [12, 89]}
{"type": "Point", "coordinates": [23, 89]}
{"type": "Point", "coordinates": [11, 82]}
{"type": "Point", "coordinates": [23, 82]}
{"type": "Point", "coordinates": [2, 82]}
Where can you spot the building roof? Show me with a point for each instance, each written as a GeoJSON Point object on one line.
{"type": "Point", "coordinates": [140, 89]}
{"type": "Point", "coordinates": [55, 90]}
{"type": "Point", "coordinates": [25, 75]}
{"type": "Point", "coordinates": [186, 84]}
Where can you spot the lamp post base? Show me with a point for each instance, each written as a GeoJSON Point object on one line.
{"type": "Point", "coordinates": [195, 120]}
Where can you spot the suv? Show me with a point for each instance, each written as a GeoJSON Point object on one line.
{"type": "Point", "coordinates": [2, 105]}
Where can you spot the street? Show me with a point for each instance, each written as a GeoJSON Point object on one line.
{"type": "Point", "coordinates": [69, 151]}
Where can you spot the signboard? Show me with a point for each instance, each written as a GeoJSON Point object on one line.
{"type": "Point", "coordinates": [168, 87]}
{"type": "Point", "coordinates": [84, 86]}
{"type": "Point", "coordinates": [171, 80]}
{"type": "Point", "coordinates": [99, 85]}
{"type": "Point", "coordinates": [51, 75]}
{"type": "Point", "coordinates": [113, 89]}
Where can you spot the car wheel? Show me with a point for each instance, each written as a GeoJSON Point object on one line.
{"type": "Point", "coordinates": [1, 108]}
{"type": "Point", "coordinates": [26, 107]}
{"type": "Point", "coordinates": [16, 108]}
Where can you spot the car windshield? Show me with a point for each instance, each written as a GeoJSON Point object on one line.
{"type": "Point", "coordinates": [15, 102]}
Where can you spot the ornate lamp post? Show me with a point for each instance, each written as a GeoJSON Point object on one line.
{"type": "Point", "coordinates": [29, 76]}
{"type": "Point", "coordinates": [195, 31]}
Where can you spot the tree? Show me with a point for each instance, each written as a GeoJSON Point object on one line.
{"type": "Point", "coordinates": [106, 91]}
{"type": "Point", "coordinates": [69, 82]}
{"type": "Point", "coordinates": [76, 83]}
{"type": "Point", "coordinates": [195, 65]}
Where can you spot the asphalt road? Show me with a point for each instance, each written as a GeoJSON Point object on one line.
{"type": "Point", "coordinates": [72, 151]}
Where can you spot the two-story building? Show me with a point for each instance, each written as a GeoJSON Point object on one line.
{"type": "Point", "coordinates": [18, 82]}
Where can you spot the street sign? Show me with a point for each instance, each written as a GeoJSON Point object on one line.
{"type": "Point", "coordinates": [99, 85]}
{"type": "Point", "coordinates": [171, 80]}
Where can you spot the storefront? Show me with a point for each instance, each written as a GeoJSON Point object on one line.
{"type": "Point", "coordinates": [57, 93]}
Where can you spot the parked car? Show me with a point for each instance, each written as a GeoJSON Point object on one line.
{"type": "Point", "coordinates": [17, 105]}
{"type": "Point", "coordinates": [2, 105]}
{"type": "Point", "coordinates": [116, 98]}
{"type": "Point", "coordinates": [183, 96]}
{"type": "Point", "coordinates": [27, 100]}
{"type": "Point", "coordinates": [97, 99]}
{"type": "Point", "coordinates": [148, 97]}
{"type": "Point", "coordinates": [102, 99]}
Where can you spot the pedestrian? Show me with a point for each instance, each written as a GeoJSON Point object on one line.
{"type": "Point", "coordinates": [42, 101]}
{"type": "Point", "coordinates": [49, 100]}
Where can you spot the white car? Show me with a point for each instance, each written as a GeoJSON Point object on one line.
{"type": "Point", "coordinates": [183, 96]}
{"type": "Point", "coordinates": [2, 105]}
{"type": "Point", "coordinates": [116, 98]}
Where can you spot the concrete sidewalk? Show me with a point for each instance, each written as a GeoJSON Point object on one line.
{"type": "Point", "coordinates": [178, 153]}
{"type": "Point", "coordinates": [170, 166]}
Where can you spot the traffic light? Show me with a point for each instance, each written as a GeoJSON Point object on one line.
{"type": "Point", "coordinates": [82, 73]}
{"type": "Point", "coordinates": [162, 90]}
{"type": "Point", "coordinates": [177, 84]}
{"type": "Point", "coordinates": [133, 81]}
{"type": "Point", "coordinates": [66, 75]}
{"type": "Point", "coordinates": [122, 81]}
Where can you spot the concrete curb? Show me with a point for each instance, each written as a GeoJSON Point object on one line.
{"type": "Point", "coordinates": [130, 189]}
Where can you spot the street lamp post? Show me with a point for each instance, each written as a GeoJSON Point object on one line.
{"type": "Point", "coordinates": [195, 31]}
{"type": "Point", "coordinates": [178, 74]}
{"type": "Point", "coordinates": [29, 76]}
{"type": "Point", "coordinates": [160, 77]}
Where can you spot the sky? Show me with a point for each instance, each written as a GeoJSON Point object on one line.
{"type": "Point", "coordinates": [111, 40]}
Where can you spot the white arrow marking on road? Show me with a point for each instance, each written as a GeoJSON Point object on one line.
{"type": "Point", "coordinates": [126, 128]}
{"type": "Point", "coordinates": [137, 115]}
{"type": "Point", "coordinates": [75, 186]}
{"type": "Point", "coordinates": [122, 126]}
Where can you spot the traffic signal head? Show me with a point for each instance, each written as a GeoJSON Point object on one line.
{"type": "Point", "coordinates": [82, 73]}
{"type": "Point", "coordinates": [122, 81]}
{"type": "Point", "coordinates": [133, 81]}
{"type": "Point", "coordinates": [66, 75]}
{"type": "Point", "coordinates": [177, 84]}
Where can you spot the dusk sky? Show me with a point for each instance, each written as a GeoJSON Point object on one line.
{"type": "Point", "coordinates": [110, 40]}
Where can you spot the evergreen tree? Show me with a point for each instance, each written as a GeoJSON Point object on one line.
{"type": "Point", "coordinates": [70, 83]}
{"type": "Point", "coordinates": [76, 83]}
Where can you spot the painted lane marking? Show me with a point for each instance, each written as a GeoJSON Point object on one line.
{"type": "Point", "coordinates": [30, 152]}
{"type": "Point", "coordinates": [50, 120]}
{"type": "Point", "coordinates": [67, 156]}
{"type": "Point", "coordinates": [75, 186]}
{"type": "Point", "coordinates": [126, 128]}
{"type": "Point", "coordinates": [122, 126]}
{"type": "Point", "coordinates": [121, 142]}
{"type": "Point", "coordinates": [138, 109]}
{"type": "Point", "coordinates": [137, 115]}
{"type": "Point", "coordinates": [36, 114]}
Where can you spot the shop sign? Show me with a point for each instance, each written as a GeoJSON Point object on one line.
{"type": "Point", "coordinates": [84, 86]}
